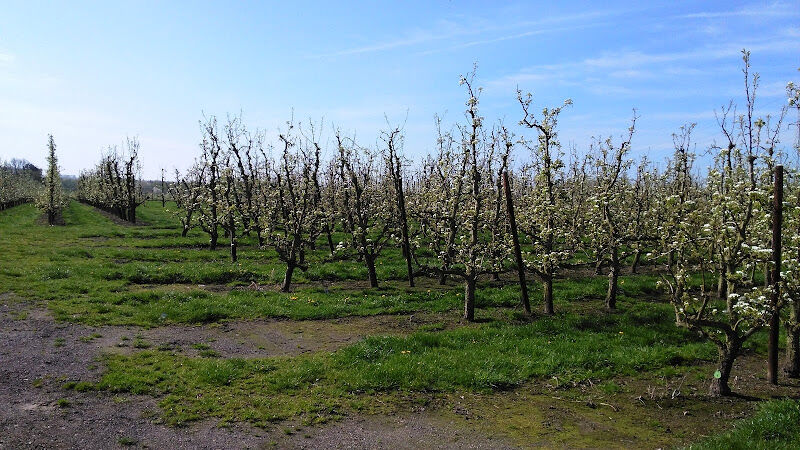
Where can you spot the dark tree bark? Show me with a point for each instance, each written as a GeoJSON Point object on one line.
{"type": "Point", "coordinates": [722, 286]}
{"type": "Point", "coordinates": [469, 298]}
{"type": "Point", "coordinates": [512, 220]}
{"type": "Point", "coordinates": [637, 257]}
{"type": "Point", "coordinates": [163, 198]}
{"type": "Point", "coordinates": [234, 257]}
{"type": "Point", "coordinates": [727, 355]}
{"type": "Point", "coordinates": [287, 279]}
{"type": "Point", "coordinates": [613, 278]}
{"type": "Point", "coordinates": [775, 279]}
{"type": "Point", "coordinates": [327, 230]}
{"type": "Point", "coordinates": [373, 276]}
{"type": "Point", "coordinates": [547, 284]}
{"type": "Point", "coordinates": [792, 364]}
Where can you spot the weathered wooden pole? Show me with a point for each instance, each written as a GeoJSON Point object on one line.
{"type": "Point", "coordinates": [512, 221]}
{"type": "Point", "coordinates": [163, 199]}
{"type": "Point", "coordinates": [397, 177]}
{"type": "Point", "coordinates": [774, 322]}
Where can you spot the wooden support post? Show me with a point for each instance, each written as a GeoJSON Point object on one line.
{"type": "Point", "coordinates": [774, 323]}
{"type": "Point", "coordinates": [163, 199]}
{"type": "Point", "coordinates": [512, 221]}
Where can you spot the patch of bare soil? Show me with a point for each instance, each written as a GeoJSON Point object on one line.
{"type": "Point", "coordinates": [402, 431]}
{"type": "Point", "coordinates": [244, 339]}
{"type": "Point", "coordinates": [42, 220]}
{"type": "Point", "coordinates": [38, 355]}
{"type": "Point", "coordinates": [116, 219]}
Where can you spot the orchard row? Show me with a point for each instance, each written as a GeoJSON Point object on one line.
{"type": "Point", "coordinates": [488, 201]}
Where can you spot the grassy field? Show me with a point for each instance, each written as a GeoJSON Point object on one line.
{"type": "Point", "coordinates": [96, 271]}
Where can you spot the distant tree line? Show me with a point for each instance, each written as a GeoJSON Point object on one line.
{"type": "Point", "coordinates": [114, 184]}
{"type": "Point", "coordinates": [19, 182]}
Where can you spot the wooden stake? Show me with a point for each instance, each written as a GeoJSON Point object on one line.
{"type": "Point", "coordinates": [512, 221]}
{"type": "Point", "coordinates": [774, 323]}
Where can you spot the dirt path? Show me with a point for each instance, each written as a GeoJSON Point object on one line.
{"type": "Point", "coordinates": [37, 355]}
{"type": "Point", "coordinates": [238, 339]}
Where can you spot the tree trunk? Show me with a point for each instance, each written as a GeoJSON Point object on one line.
{"type": "Point", "coordinates": [442, 277]}
{"type": "Point", "coordinates": [401, 202]}
{"type": "Point", "coordinates": [719, 386]}
{"type": "Point", "coordinates": [187, 221]}
{"type": "Point", "coordinates": [373, 276]}
{"type": "Point", "coordinates": [637, 257]}
{"type": "Point", "coordinates": [512, 224]}
{"type": "Point", "coordinates": [722, 286]}
{"type": "Point", "coordinates": [287, 279]}
{"type": "Point", "coordinates": [730, 289]}
{"type": "Point", "coordinates": [767, 275]}
{"type": "Point", "coordinates": [330, 239]}
{"type": "Point", "coordinates": [613, 277]}
{"type": "Point", "coordinates": [407, 251]}
{"type": "Point", "coordinates": [469, 298]}
{"type": "Point", "coordinates": [233, 242]}
{"type": "Point", "coordinates": [214, 236]}
{"type": "Point", "coordinates": [773, 277]}
{"type": "Point", "coordinates": [548, 295]}
{"type": "Point", "coordinates": [598, 266]}
{"type": "Point", "coordinates": [792, 364]}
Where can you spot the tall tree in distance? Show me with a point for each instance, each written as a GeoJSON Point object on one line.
{"type": "Point", "coordinates": [52, 199]}
{"type": "Point", "coordinates": [545, 217]}
{"type": "Point", "coordinates": [290, 227]}
{"type": "Point", "coordinates": [394, 139]}
{"type": "Point", "coordinates": [365, 202]}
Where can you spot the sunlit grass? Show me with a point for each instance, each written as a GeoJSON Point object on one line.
{"type": "Point", "coordinates": [568, 348]}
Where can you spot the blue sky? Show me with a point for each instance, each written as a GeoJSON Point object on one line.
{"type": "Point", "coordinates": [93, 72]}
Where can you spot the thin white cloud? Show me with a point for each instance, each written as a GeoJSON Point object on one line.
{"type": "Point", "coordinates": [685, 116]}
{"type": "Point", "coordinates": [775, 9]}
{"type": "Point", "coordinates": [448, 30]}
{"type": "Point", "coordinates": [6, 58]}
{"type": "Point", "coordinates": [419, 37]}
{"type": "Point", "coordinates": [632, 74]}
{"type": "Point", "coordinates": [793, 32]}
{"type": "Point", "coordinates": [772, 89]}
{"type": "Point", "coordinates": [627, 65]}
{"type": "Point", "coordinates": [537, 32]}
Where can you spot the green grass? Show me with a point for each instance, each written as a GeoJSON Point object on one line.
{"type": "Point", "coordinates": [776, 425]}
{"type": "Point", "coordinates": [80, 386]}
{"type": "Point", "coordinates": [96, 271]}
{"type": "Point", "coordinates": [127, 441]}
{"type": "Point", "coordinates": [90, 337]}
{"type": "Point", "coordinates": [568, 348]}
